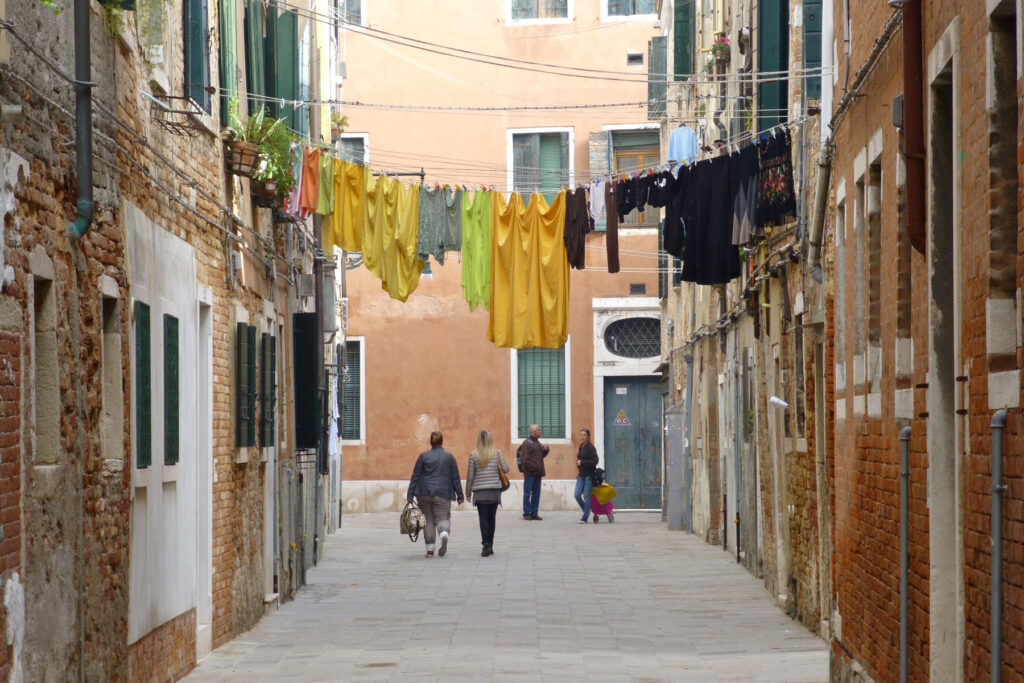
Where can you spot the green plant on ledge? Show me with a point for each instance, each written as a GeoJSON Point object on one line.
{"type": "Point", "coordinates": [276, 159]}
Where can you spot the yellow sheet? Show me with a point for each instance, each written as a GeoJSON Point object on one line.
{"type": "Point", "coordinates": [529, 273]}
{"type": "Point", "coordinates": [349, 210]}
{"type": "Point", "coordinates": [391, 224]}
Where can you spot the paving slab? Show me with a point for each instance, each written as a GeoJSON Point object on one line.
{"type": "Point", "coordinates": [629, 601]}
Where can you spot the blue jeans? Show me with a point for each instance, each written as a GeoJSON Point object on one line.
{"type": "Point", "coordinates": [584, 487]}
{"type": "Point", "coordinates": [531, 494]}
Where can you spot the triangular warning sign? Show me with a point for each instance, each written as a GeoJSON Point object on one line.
{"type": "Point", "coordinates": [621, 418]}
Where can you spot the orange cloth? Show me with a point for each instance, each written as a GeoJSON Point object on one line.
{"type": "Point", "coordinates": [310, 196]}
{"type": "Point", "coordinates": [529, 273]}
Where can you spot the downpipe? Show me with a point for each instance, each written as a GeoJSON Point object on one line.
{"type": "Point", "coordinates": [904, 547]}
{"type": "Point", "coordinates": [83, 123]}
{"type": "Point", "coordinates": [816, 237]}
{"type": "Point", "coordinates": [996, 587]}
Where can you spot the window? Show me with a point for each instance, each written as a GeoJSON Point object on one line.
{"type": "Point", "coordinates": [352, 392]}
{"type": "Point", "coordinates": [113, 399]}
{"type": "Point", "coordinates": [245, 385]}
{"type": "Point", "coordinates": [634, 337]}
{"type": "Point", "coordinates": [255, 53]}
{"type": "Point", "coordinates": [628, 8]}
{"type": "Point", "coordinates": [682, 40]}
{"type": "Point", "coordinates": [525, 10]}
{"type": "Point", "coordinates": [268, 388]}
{"type": "Point", "coordinates": [352, 12]}
{"type": "Point", "coordinates": [634, 150]}
{"type": "Point", "coordinates": [197, 55]}
{"type": "Point", "coordinates": [541, 388]}
{"type": "Point", "coordinates": [540, 163]}
{"type": "Point", "coordinates": [171, 393]}
{"type": "Point", "coordinates": [143, 388]}
{"type": "Point", "coordinates": [355, 148]}
{"type": "Point", "coordinates": [46, 411]}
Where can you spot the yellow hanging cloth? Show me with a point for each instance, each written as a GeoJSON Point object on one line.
{"type": "Point", "coordinates": [349, 210]}
{"type": "Point", "coordinates": [401, 266]}
{"type": "Point", "coordinates": [529, 273]}
{"type": "Point", "coordinates": [374, 217]}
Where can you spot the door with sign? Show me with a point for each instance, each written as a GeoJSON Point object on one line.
{"type": "Point", "coordinates": [632, 440]}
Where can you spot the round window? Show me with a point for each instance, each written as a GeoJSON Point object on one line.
{"type": "Point", "coordinates": [634, 337]}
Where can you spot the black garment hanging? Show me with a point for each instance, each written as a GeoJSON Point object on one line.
{"type": "Point", "coordinates": [776, 199]}
{"type": "Point", "coordinates": [577, 224]}
{"type": "Point", "coordinates": [743, 179]}
{"type": "Point", "coordinates": [625, 196]}
{"type": "Point", "coordinates": [675, 228]}
{"type": "Point", "coordinates": [710, 257]}
{"type": "Point", "coordinates": [661, 189]}
{"type": "Point", "coordinates": [612, 227]}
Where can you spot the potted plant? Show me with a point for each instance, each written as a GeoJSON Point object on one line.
{"type": "Point", "coordinates": [244, 138]}
{"type": "Point", "coordinates": [720, 49]}
{"type": "Point", "coordinates": [274, 174]}
{"type": "Point", "coordinates": [338, 124]}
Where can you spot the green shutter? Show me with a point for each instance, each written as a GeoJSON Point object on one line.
{"type": "Point", "coordinates": [254, 53]}
{"type": "Point", "coordinates": [197, 55]}
{"type": "Point", "coordinates": [541, 380]}
{"type": "Point", "coordinates": [812, 46]}
{"type": "Point", "coordinates": [657, 70]}
{"type": "Point", "coordinates": [620, 8]}
{"type": "Point", "coordinates": [143, 388]}
{"type": "Point", "coordinates": [228, 57]}
{"type": "Point", "coordinates": [250, 436]}
{"type": "Point", "coordinates": [172, 448]}
{"type": "Point", "coordinates": [682, 47]}
{"type": "Point", "coordinates": [635, 139]}
{"type": "Point", "coordinates": [525, 162]}
{"type": "Point", "coordinates": [272, 419]}
{"type": "Point", "coordinates": [241, 384]}
{"type": "Point", "coordinates": [351, 428]}
{"type": "Point", "coordinates": [282, 50]}
{"type": "Point", "coordinates": [267, 388]}
{"type": "Point", "coordinates": [553, 169]}
{"type": "Point", "coordinates": [773, 55]}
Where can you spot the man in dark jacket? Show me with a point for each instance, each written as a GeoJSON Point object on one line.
{"type": "Point", "coordinates": [586, 463]}
{"type": "Point", "coordinates": [436, 482]}
{"type": "Point", "coordinates": [533, 453]}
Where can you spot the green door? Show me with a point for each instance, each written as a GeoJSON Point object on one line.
{"type": "Point", "coordinates": [632, 440]}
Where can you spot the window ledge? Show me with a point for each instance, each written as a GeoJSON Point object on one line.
{"type": "Point", "coordinates": [618, 18]}
{"type": "Point", "coordinates": [206, 124]}
{"type": "Point", "coordinates": [538, 22]}
{"type": "Point", "coordinates": [141, 478]}
{"type": "Point", "coordinates": [241, 455]}
{"type": "Point", "coordinates": [170, 473]}
{"type": "Point", "coordinates": [353, 442]}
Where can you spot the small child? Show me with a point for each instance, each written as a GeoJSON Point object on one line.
{"type": "Point", "coordinates": [601, 497]}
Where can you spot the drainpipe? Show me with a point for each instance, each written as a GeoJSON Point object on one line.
{"type": "Point", "coordinates": [904, 546]}
{"type": "Point", "coordinates": [737, 427]}
{"type": "Point", "coordinates": [996, 589]}
{"type": "Point", "coordinates": [913, 113]}
{"type": "Point", "coordinates": [688, 451]}
{"type": "Point", "coordinates": [820, 202]}
{"type": "Point", "coordinates": [83, 122]}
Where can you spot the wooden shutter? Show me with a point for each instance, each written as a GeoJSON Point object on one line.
{"type": "Point", "coordinates": [541, 385]}
{"type": "Point", "coordinates": [773, 55]}
{"type": "Point", "coordinates": [197, 56]}
{"type": "Point", "coordinates": [812, 46]}
{"type": "Point", "coordinates": [682, 48]}
{"type": "Point", "coordinates": [657, 70]}
{"type": "Point", "coordinates": [553, 173]}
{"type": "Point", "coordinates": [351, 428]}
{"type": "Point", "coordinates": [172, 400]}
{"type": "Point", "coordinates": [272, 418]}
{"type": "Point", "coordinates": [250, 436]}
{"type": "Point", "coordinates": [268, 388]}
{"type": "Point", "coordinates": [525, 162]}
{"type": "Point", "coordinates": [254, 52]}
{"type": "Point", "coordinates": [339, 388]}
{"type": "Point", "coordinates": [241, 385]}
{"type": "Point", "coordinates": [143, 388]}
{"type": "Point", "coordinates": [285, 55]}
{"type": "Point", "coordinates": [228, 57]}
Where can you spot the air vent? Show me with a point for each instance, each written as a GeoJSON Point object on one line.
{"type": "Point", "coordinates": [635, 59]}
{"type": "Point", "coordinates": [637, 289]}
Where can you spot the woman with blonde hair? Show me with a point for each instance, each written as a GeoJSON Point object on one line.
{"type": "Point", "coordinates": [483, 486]}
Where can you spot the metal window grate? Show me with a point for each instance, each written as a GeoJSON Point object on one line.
{"type": "Point", "coordinates": [634, 337]}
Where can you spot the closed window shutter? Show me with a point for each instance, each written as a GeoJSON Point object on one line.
{"type": "Point", "coordinates": [242, 385]}
{"type": "Point", "coordinates": [553, 174]}
{"type": "Point", "coordinates": [283, 51]}
{"type": "Point", "coordinates": [525, 162]}
{"type": "Point", "coordinates": [251, 380]}
{"type": "Point", "coordinates": [272, 418]}
{"type": "Point", "coordinates": [228, 57]}
{"type": "Point", "coordinates": [352, 429]}
{"type": "Point", "coordinates": [541, 387]}
{"type": "Point", "coordinates": [773, 55]}
{"type": "Point", "coordinates": [254, 52]}
{"type": "Point", "coordinates": [171, 392]}
{"type": "Point", "coordinates": [657, 70]}
{"type": "Point", "coordinates": [600, 165]}
{"type": "Point", "coordinates": [143, 388]}
{"type": "Point", "coordinates": [197, 56]}
{"type": "Point", "coordinates": [339, 388]}
{"type": "Point", "coordinates": [265, 396]}
{"type": "Point", "coordinates": [812, 45]}
{"type": "Point", "coordinates": [682, 49]}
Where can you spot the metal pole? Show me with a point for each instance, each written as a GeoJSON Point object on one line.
{"type": "Point", "coordinates": [904, 546]}
{"type": "Point", "coordinates": [996, 629]}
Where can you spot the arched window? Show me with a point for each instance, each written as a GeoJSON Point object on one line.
{"type": "Point", "coordinates": [634, 337]}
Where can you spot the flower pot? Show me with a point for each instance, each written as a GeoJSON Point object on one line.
{"type": "Point", "coordinates": [241, 157]}
{"type": "Point", "coordinates": [264, 193]}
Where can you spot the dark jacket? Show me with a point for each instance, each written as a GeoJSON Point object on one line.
{"type": "Point", "coordinates": [588, 459]}
{"type": "Point", "coordinates": [533, 452]}
{"type": "Point", "coordinates": [436, 474]}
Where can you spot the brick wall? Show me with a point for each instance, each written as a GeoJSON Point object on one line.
{"type": "Point", "coordinates": [10, 474]}
{"type": "Point", "coordinates": [166, 653]}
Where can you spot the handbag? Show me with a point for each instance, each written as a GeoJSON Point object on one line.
{"type": "Point", "coordinates": [505, 483]}
{"type": "Point", "coordinates": [411, 521]}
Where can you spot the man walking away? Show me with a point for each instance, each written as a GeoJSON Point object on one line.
{"type": "Point", "coordinates": [436, 483]}
{"type": "Point", "coordinates": [533, 453]}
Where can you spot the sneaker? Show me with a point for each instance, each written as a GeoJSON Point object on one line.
{"type": "Point", "coordinates": [595, 519]}
{"type": "Point", "coordinates": [444, 544]}
{"type": "Point", "coordinates": [487, 552]}
{"type": "Point", "coordinates": [527, 517]}
{"type": "Point", "coordinates": [536, 518]}
{"type": "Point", "coordinates": [430, 553]}
{"type": "Point", "coordinates": [583, 521]}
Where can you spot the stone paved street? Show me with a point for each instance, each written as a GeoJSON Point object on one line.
{"type": "Point", "coordinates": [558, 601]}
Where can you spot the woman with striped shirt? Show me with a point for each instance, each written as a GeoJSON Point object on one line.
{"type": "Point", "coordinates": [483, 486]}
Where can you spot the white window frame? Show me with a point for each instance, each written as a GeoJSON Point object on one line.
{"type": "Point", "coordinates": [362, 20]}
{"type": "Point", "coordinates": [605, 17]}
{"type": "Point", "coordinates": [361, 441]}
{"type": "Point", "coordinates": [514, 400]}
{"type": "Point", "coordinates": [365, 137]}
{"type": "Point", "coordinates": [510, 134]}
{"type": "Point", "coordinates": [509, 21]}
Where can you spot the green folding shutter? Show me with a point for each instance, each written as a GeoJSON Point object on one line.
{"type": "Point", "coordinates": [541, 380]}
{"type": "Point", "coordinates": [339, 389]}
{"type": "Point", "coordinates": [143, 388]}
{"type": "Point", "coordinates": [553, 157]}
{"type": "Point", "coordinates": [272, 401]}
{"type": "Point", "coordinates": [812, 46]}
{"type": "Point", "coordinates": [285, 53]}
{"type": "Point", "coordinates": [682, 47]}
{"type": "Point", "coordinates": [254, 53]}
{"type": "Point", "coordinates": [241, 384]}
{"type": "Point", "coordinates": [264, 388]}
{"type": "Point", "coordinates": [171, 391]}
{"type": "Point", "coordinates": [525, 162]}
{"type": "Point", "coordinates": [773, 55]}
{"type": "Point", "coordinates": [228, 56]}
{"type": "Point", "coordinates": [657, 70]}
{"type": "Point", "coordinates": [197, 56]}
{"type": "Point", "coordinates": [351, 429]}
{"type": "Point", "coordinates": [250, 436]}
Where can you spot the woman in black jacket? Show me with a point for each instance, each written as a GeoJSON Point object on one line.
{"type": "Point", "coordinates": [586, 463]}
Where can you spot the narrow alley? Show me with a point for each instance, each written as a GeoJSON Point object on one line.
{"type": "Point", "coordinates": [557, 601]}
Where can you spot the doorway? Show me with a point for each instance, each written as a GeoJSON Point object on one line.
{"type": "Point", "coordinates": [632, 440]}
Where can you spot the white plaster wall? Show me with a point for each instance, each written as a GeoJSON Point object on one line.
{"type": "Point", "coordinates": [163, 540]}
{"type": "Point", "coordinates": [389, 495]}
